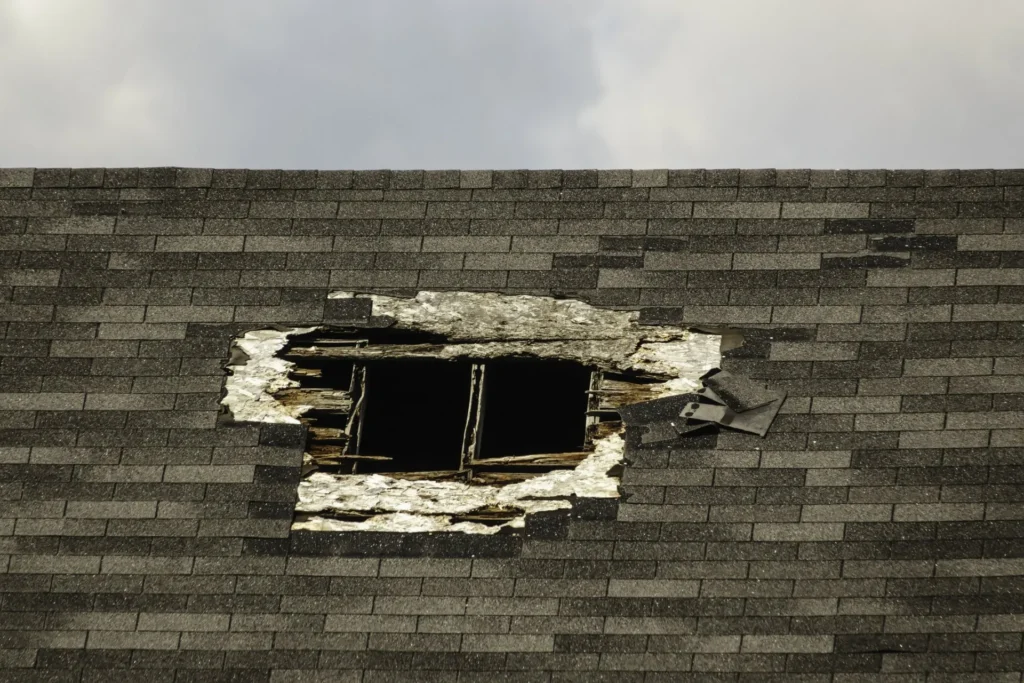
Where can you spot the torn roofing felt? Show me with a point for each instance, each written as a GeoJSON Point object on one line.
{"type": "Point", "coordinates": [725, 399]}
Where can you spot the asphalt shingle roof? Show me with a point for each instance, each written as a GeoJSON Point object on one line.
{"type": "Point", "coordinates": [875, 534]}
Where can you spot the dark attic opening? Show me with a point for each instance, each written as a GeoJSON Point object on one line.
{"type": "Point", "coordinates": [414, 415]}
{"type": "Point", "coordinates": [533, 406]}
{"type": "Point", "coordinates": [396, 402]}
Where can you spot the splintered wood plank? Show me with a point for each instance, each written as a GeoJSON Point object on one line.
{"type": "Point", "coordinates": [328, 341]}
{"type": "Point", "coordinates": [334, 459]}
{"type": "Point", "coordinates": [335, 341]}
{"type": "Point", "coordinates": [320, 399]}
{"type": "Point", "coordinates": [435, 475]}
{"type": "Point", "coordinates": [346, 516]}
{"type": "Point", "coordinates": [355, 423]}
{"type": "Point", "coordinates": [534, 460]}
{"type": "Point", "coordinates": [501, 478]}
{"type": "Point", "coordinates": [593, 407]}
{"type": "Point", "coordinates": [615, 393]}
{"type": "Point", "coordinates": [474, 416]}
{"type": "Point", "coordinates": [603, 429]}
{"type": "Point", "coordinates": [374, 351]}
{"type": "Point", "coordinates": [491, 514]}
{"type": "Point", "coordinates": [328, 434]}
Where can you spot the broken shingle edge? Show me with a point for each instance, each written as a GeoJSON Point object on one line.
{"type": "Point", "coordinates": [613, 340]}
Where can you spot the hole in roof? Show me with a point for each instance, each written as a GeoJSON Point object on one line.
{"type": "Point", "coordinates": [414, 412]}
{"type": "Point", "coordinates": [534, 406]}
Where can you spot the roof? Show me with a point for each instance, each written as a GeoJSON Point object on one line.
{"type": "Point", "coordinates": [875, 529]}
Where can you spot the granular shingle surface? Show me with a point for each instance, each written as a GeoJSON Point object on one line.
{"type": "Point", "coordinates": [874, 535]}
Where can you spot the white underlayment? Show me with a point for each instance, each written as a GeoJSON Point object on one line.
{"type": "Point", "coordinates": [480, 325]}
{"type": "Point", "coordinates": [250, 386]}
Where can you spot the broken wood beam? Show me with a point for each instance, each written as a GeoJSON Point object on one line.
{"type": "Point", "coordinates": [501, 478]}
{"type": "Point", "coordinates": [320, 399]}
{"type": "Point", "coordinates": [335, 457]}
{"type": "Point", "coordinates": [538, 460]}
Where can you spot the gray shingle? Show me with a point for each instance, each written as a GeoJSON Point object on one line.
{"type": "Point", "coordinates": [669, 260]}
{"type": "Point", "coordinates": [193, 177]}
{"type": "Point", "coordinates": [987, 312]}
{"type": "Point", "coordinates": [474, 179]}
{"type": "Point", "coordinates": [787, 643]}
{"type": "Point", "coordinates": [816, 314]}
{"type": "Point", "coordinates": [947, 366]}
{"type": "Point", "coordinates": [466, 244]}
{"type": "Point", "coordinates": [824, 210]}
{"type": "Point", "coordinates": [727, 314]}
{"type": "Point", "coordinates": [16, 177]}
{"type": "Point", "coordinates": [906, 313]}
{"type": "Point", "coordinates": [54, 401]}
{"type": "Point", "coordinates": [373, 278]}
{"type": "Point", "coordinates": [473, 279]}
{"type": "Point", "coordinates": [650, 178]}
{"type": "Point", "coordinates": [736, 210]}
{"type": "Point", "coordinates": [100, 314]}
{"type": "Point", "coordinates": [812, 351]}
{"type": "Point", "coordinates": [283, 278]}
{"type": "Point", "coordinates": [480, 261]}
{"type": "Point", "coordinates": [199, 243]}
{"type": "Point", "coordinates": [776, 261]}
{"type": "Point", "coordinates": [990, 243]}
{"type": "Point", "coordinates": [614, 178]}
{"type": "Point", "coordinates": [989, 276]}
{"type": "Point", "coordinates": [910, 278]}
{"type": "Point", "coordinates": [944, 439]}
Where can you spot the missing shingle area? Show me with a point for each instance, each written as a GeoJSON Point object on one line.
{"type": "Point", "coordinates": [317, 376]}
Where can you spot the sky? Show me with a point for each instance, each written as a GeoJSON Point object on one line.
{"type": "Point", "coordinates": [488, 84]}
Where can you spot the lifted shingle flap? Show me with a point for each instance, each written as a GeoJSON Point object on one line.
{"type": "Point", "coordinates": [758, 420]}
{"type": "Point", "coordinates": [741, 403]}
{"type": "Point", "coordinates": [739, 393]}
{"type": "Point", "coordinates": [657, 410]}
{"type": "Point", "coordinates": [725, 399]}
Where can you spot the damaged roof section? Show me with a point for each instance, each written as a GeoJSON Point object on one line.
{"type": "Point", "coordinates": [724, 399]}
{"type": "Point", "coordinates": [466, 381]}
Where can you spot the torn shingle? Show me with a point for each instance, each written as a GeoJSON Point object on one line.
{"type": "Point", "coordinates": [658, 432]}
{"type": "Point", "coordinates": [756, 421]}
{"type": "Point", "coordinates": [658, 410]}
{"type": "Point", "coordinates": [725, 399]}
{"type": "Point", "coordinates": [739, 393]}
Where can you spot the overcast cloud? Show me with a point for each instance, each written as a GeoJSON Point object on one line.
{"type": "Point", "coordinates": [338, 84]}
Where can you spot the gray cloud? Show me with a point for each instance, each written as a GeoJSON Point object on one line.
{"type": "Point", "coordinates": [512, 83]}
{"type": "Point", "coordinates": [302, 84]}
{"type": "Point", "coordinates": [811, 83]}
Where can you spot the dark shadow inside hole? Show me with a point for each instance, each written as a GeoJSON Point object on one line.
{"type": "Point", "coordinates": [533, 406]}
{"type": "Point", "coordinates": [414, 412]}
